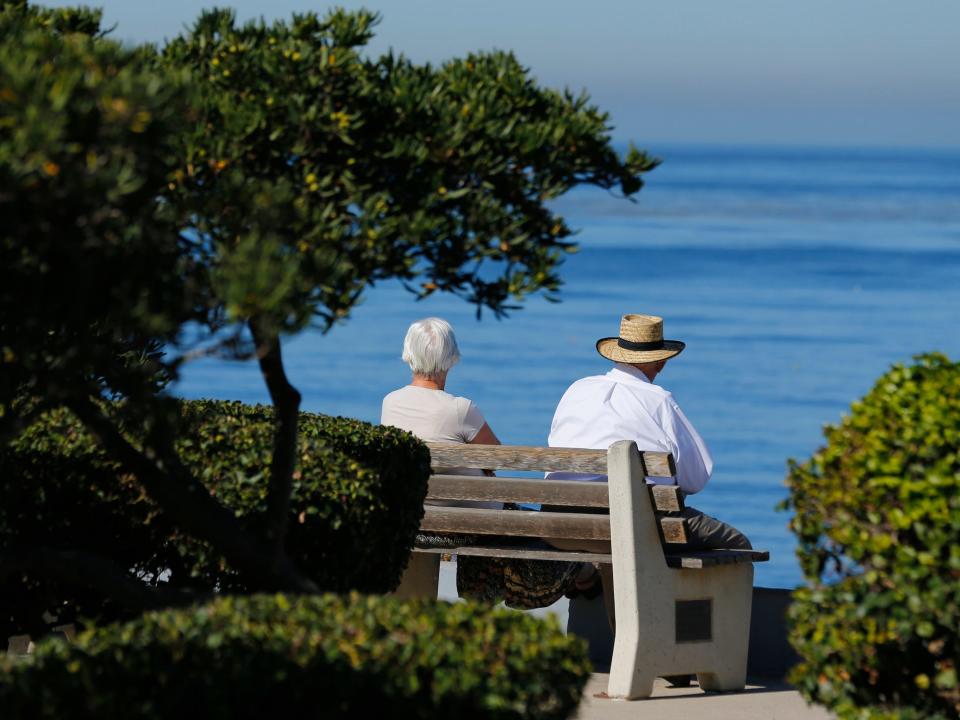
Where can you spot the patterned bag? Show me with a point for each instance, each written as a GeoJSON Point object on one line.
{"type": "Point", "coordinates": [521, 584]}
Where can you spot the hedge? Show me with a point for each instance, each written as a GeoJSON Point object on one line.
{"type": "Point", "coordinates": [877, 515]}
{"type": "Point", "coordinates": [357, 496]}
{"type": "Point", "coordinates": [308, 656]}
{"type": "Point", "coordinates": [356, 505]}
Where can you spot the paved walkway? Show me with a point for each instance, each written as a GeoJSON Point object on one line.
{"type": "Point", "coordinates": [774, 701]}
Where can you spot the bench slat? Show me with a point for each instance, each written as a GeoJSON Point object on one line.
{"type": "Point", "coordinates": [667, 498]}
{"type": "Point", "coordinates": [574, 526]}
{"type": "Point", "coordinates": [520, 523]}
{"type": "Point", "coordinates": [568, 493]}
{"type": "Point", "coordinates": [685, 560]}
{"type": "Point", "coordinates": [709, 558]}
{"type": "Point", "coordinates": [657, 464]}
{"type": "Point", "coordinates": [674, 530]}
{"type": "Point", "coordinates": [511, 551]}
{"type": "Point", "coordinates": [499, 457]}
{"type": "Point", "coordinates": [518, 457]}
{"type": "Point", "coordinates": [519, 490]}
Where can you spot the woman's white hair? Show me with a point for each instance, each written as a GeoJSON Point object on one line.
{"type": "Point", "coordinates": [430, 347]}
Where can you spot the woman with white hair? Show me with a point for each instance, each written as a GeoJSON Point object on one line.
{"type": "Point", "coordinates": [427, 410]}
{"type": "Point", "coordinates": [424, 407]}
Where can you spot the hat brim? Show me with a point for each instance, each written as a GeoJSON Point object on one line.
{"type": "Point", "coordinates": [609, 348]}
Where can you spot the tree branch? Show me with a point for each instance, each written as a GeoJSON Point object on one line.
{"type": "Point", "coordinates": [286, 403]}
{"type": "Point", "coordinates": [190, 505]}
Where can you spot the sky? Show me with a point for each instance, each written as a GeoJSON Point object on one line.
{"type": "Point", "coordinates": [867, 73]}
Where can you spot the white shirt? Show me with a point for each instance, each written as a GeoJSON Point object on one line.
{"type": "Point", "coordinates": [432, 415]}
{"type": "Point", "coordinates": [436, 416]}
{"type": "Point", "coordinates": [597, 411]}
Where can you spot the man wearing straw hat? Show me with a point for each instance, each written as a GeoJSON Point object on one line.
{"type": "Point", "coordinates": [624, 404]}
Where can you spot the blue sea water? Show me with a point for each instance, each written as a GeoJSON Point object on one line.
{"type": "Point", "coordinates": [795, 276]}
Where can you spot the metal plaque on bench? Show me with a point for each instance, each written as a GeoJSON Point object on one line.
{"type": "Point", "coordinates": [694, 620]}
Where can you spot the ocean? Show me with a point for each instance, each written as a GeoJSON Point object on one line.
{"type": "Point", "coordinates": [796, 276]}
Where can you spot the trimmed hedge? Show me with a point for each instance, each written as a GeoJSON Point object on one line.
{"type": "Point", "coordinates": [309, 656]}
{"type": "Point", "coordinates": [357, 495]}
{"type": "Point", "coordinates": [59, 491]}
{"type": "Point", "coordinates": [877, 515]}
{"type": "Point", "coordinates": [356, 505]}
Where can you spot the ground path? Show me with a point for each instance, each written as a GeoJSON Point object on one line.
{"type": "Point", "coordinates": [769, 701]}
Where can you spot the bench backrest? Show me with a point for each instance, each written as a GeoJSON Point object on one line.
{"type": "Point", "coordinates": [624, 502]}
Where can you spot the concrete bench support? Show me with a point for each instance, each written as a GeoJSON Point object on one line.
{"type": "Point", "coordinates": [646, 593]}
{"type": "Point", "coordinates": [421, 578]}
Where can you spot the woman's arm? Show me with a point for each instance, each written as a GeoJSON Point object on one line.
{"type": "Point", "coordinates": [485, 436]}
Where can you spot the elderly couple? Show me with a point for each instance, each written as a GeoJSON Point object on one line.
{"type": "Point", "coordinates": [594, 412]}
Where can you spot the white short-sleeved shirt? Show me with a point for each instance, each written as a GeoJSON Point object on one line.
{"type": "Point", "coordinates": [598, 411]}
{"type": "Point", "coordinates": [432, 415]}
{"type": "Point", "coordinates": [436, 416]}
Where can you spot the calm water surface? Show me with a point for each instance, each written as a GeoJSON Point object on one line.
{"type": "Point", "coordinates": [796, 277]}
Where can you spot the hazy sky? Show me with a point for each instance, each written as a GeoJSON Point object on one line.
{"type": "Point", "coordinates": [822, 72]}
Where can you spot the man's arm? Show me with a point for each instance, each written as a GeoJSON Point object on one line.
{"type": "Point", "coordinates": [694, 463]}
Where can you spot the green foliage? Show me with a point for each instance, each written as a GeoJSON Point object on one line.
{"type": "Point", "coordinates": [58, 20]}
{"type": "Point", "coordinates": [309, 656]}
{"type": "Point", "coordinates": [57, 490]}
{"type": "Point", "coordinates": [313, 171]}
{"type": "Point", "coordinates": [877, 514]}
{"type": "Point", "coordinates": [90, 265]}
{"type": "Point", "coordinates": [356, 505]}
{"type": "Point", "coordinates": [357, 494]}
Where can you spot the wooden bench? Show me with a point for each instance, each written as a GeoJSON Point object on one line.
{"type": "Point", "coordinates": [677, 612]}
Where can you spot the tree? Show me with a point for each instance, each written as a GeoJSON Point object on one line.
{"type": "Point", "coordinates": [305, 172]}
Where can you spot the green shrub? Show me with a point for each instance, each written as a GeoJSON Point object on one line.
{"type": "Point", "coordinates": [70, 498]}
{"type": "Point", "coordinates": [357, 496]}
{"type": "Point", "coordinates": [877, 515]}
{"type": "Point", "coordinates": [356, 505]}
{"type": "Point", "coordinates": [304, 657]}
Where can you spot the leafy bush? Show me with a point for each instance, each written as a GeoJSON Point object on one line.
{"type": "Point", "coordinates": [357, 497]}
{"type": "Point", "coordinates": [59, 491]}
{"type": "Point", "coordinates": [877, 514]}
{"type": "Point", "coordinates": [356, 505]}
{"type": "Point", "coordinates": [307, 656]}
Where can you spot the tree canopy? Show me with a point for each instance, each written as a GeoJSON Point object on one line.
{"type": "Point", "coordinates": [240, 184]}
{"type": "Point", "coordinates": [312, 171]}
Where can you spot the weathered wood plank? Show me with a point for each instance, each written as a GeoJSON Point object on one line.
{"type": "Point", "coordinates": [574, 526]}
{"type": "Point", "coordinates": [519, 490]}
{"type": "Point", "coordinates": [684, 560]}
{"type": "Point", "coordinates": [674, 530]}
{"type": "Point", "coordinates": [697, 560]}
{"type": "Point", "coordinates": [667, 498]}
{"type": "Point", "coordinates": [510, 551]}
{"type": "Point", "coordinates": [657, 464]}
{"type": "Point", "coordinates": [517, 457]}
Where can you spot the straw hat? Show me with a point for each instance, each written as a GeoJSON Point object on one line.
{"type": "Point", "coordinates": [641, 341]}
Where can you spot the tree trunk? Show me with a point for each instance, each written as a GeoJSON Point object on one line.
{"type": "Point", "coordinates": [286, 403]}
